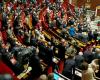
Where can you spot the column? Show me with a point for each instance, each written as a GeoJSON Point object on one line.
{"type": "Point", "coordinates": [70, 1]}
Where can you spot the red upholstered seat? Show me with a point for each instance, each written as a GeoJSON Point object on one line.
{"type": "Point", "coordinates": [39, 1]}
{"type": "Point", "coordinates": [98, 24]}
{"type": "Point", "coordinates": [4, 69]}
{"type": "Point", "coordinates": [61, 66]}
{"type": "Point", "coordinates": [4, 36]}
{"type": "Point", "coordinates": [45, 25]}
{"type": "Point", "coordinates": [15, 6]}
{"type": "Point", "coordinates": [52, 1]}
{"type": "Point", "coordinates": [72, 7]}
{"type": "Point", "coordinates": [65, 4]}
{"type": "Point", "coordinates": [23, 17]}
{"type": "Point", "coordinates": [20, 39]}
{"type": "Point", "coordinates": [1, 1]}
{"type": "Point", "coordinates": [59, 13]}
{"type": "Point", "coordinates": [52, 15]}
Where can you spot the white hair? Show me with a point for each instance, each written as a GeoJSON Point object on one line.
{"type": "Point", "coordinates": [97, 50]}
{"type": "Point", "coordinates": [80, 53]}
{"type": "Point", "coordinates": [43, 77]}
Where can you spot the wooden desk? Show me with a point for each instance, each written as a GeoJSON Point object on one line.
{"type": "Point", "coordinates": [24, 73]}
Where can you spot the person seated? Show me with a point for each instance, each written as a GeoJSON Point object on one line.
{"type": "Point", "coordinates": [33, 1]}
{"type": "Point", "coordinates": [34, 19]}
{"type": "Point", "coordinates": [95, 65]}
{"type": "Point", "coordinates": [33, 41]}
{"type": "Point", "coordinates": [84, 36]}
{"type": "Point", "coordinates": [71, 50]}
{"type": "Point", "coordinates": [70, 21]}
{"type": "Point", "coordinates": [90, 35]}
{"type": "Point", "coordinates": [27, 37]}
{"type": "Point", "coordinates": [52, 24]}
{"type": "Point", "coordinates": [39, 35]}
{"type": "Point", "coordinates": [64, 33]}
{"type": "Point", "coordinates": [72, 31]}
{"type": "Point", "coordinates": [97, 53]}
{"type": "Point", "coordinates": [59, 22]}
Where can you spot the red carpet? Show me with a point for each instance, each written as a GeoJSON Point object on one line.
{"type": "Point", "coordinates": [50, 70]}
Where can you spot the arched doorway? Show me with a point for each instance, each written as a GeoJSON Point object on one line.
{"type": "Point", "coordinates": [97, 12]}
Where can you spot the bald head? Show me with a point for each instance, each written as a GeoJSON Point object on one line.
{"type": "Point", "coordinates": [43, 77]}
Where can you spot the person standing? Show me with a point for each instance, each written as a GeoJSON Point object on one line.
{"type": "Point", "coordinates": [61, 49]}
{"type": "Point", "coordinates": [69, 67]}
{"type": "Point", "coordinates": [90, 35]}
{"type": "Point", "coordinates": [87, 72]}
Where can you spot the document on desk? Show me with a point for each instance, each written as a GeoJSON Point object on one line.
{"type": "Point", "coordinates": [78, 73]}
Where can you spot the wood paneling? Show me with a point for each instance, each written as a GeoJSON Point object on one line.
{"type": "Point", "coordinates": [98, 12]}
{"type": "Point", "coordinates": [93, 3]}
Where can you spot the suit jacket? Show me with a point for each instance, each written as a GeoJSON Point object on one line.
{"type": "Point", "coordinates": [69, 67]}
{"type": "Point", "coordinates": [61, 51]}
{"type": "Point", "coordinates": [88, 56]}
{"type": "Point", "coordinates": [78, 60]}
{"type": "Point", "coordinates": [34, 62]}
{"type": "Point", "coordinates": [49, 55]}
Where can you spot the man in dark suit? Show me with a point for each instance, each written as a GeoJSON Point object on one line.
{"type": "Point", "coordinates": [49, 54]}
{"type": "Point", "coordinates": [95, 33]}
{"type": "Point", "coordinates": [4, 20]}
{"type": "Point", "coordinates": [42, 50]}
{"type": "Point", "coordinates": [59, 22]}
{"type": "Point", "coordinates": [61, 49]}
{"type": "Point", "coordinates": [79, 59]}
{"type": "Point", "coordinates": [88, 56]}
{"type": "Point", "coordinates": [33, 1]}
{"type": "Point", "coordinates": [69, 67]}
{"type": "Point", "coordinates": [34, 62]}
{"type": "Point", "coordinates": [34, 19]}
{"type": "Point", "coordinates": [90, 35]}
{"type": "Point", "coordinates": [47, 2]}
